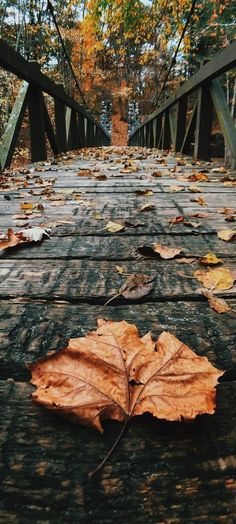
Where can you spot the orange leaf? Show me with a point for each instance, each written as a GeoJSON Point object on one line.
{"type": "Point", "coordinates": [113, 373]}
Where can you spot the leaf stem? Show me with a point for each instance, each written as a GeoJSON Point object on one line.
{"type": "Point", "coordinates": [107, 456]}
{"type": "Point", "coordinates": [112, 298]}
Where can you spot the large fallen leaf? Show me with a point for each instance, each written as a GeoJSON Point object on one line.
{"type": "Point", "coordinates": [165, 251]}
{"type": "Point", "coordinates": [194, 189]}
{"type": "Point", "coordinates": [176, 189]}
{"type": "Point", "coordinates": [113, 373]}
{"type": "Point", "coordinates": [198, 177]}
{"type": "Point", "coordinates": [226, 234]}
{"type": "Point", "coordinates": [144, 192]}
{"type": "Point", "coordinates": [34, 234]}
{"type": "Point", "coordinates": [135, 287]}
{"type": "Point", "coordinates": [217, 279]}
{"type": "Point", "coordinates": [200, 200]}
{"type": "Point", "coordinates": [218, 304]}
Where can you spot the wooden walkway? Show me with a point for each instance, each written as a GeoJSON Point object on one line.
{"type": "Point", "coordinates": [161, 473]}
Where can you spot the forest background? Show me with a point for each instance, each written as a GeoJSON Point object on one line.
{"type": "Point", "coordinates": [120, 50]}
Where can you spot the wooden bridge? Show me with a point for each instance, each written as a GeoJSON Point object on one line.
{"type": "Point", "coordinates": [161, 473]}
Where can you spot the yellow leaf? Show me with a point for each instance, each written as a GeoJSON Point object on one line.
{"type": "Point", "coordinates": [218, 304]}
{"type": "Point", "coordinates": [147, 207]}
{"type": "Point", "coordinates": [210, 258]}
{"type": "Point", "coordinates": [218, 279]}
{"type": "Point", "coordinates": [26, 205]}
{"type": "Point", "coordinates": [114, 227]}
{"type": "Point", "coordinates": [119, 269]}
{"type": "Point", "coordinates": [226, 234]}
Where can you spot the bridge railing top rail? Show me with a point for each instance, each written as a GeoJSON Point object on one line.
{"type": "Point", "coordinates": [219, 64]}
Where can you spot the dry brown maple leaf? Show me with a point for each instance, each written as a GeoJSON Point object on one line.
{"type": "Point", "coordinates": [34, 234]}
{"type": "Point", "coordinates": [166, 252]}
{"type": "Point", "coordinates": [112, 373]}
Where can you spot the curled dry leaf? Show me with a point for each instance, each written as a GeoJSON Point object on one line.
{"type": "Point", "coordinates": [217, 279]}
{"type": "Point", "coordinates": [218, 304]}
{"type": "Point", "coordinates": [34, 234]}
{"type": "Point", "coordinates": [176, 189]}
{"type": "Point", "coordinates": [210, 259]}
{"type": "Point", "coordinates": [135, 287]}
{"type": "Point", "coordinates": [200, 200]}
{"type": "Point", "coordinates": [144, 192]}
{"type": "Point", "coordinates": [112, 373]}
{"type": "Point", "coordinates": [147, 207]}
{"type": "Point", "coordinates": [198, 177]}
{"type": "Point", "coordinates": [119, 269]}
{"type": "Point", "coordinates": [165, 251]}
{"type": "Point", "coordinates": [226, 234]}
{"type": "Point", "coordinates": [226, 210]}
{"type": "Point", "coordinates": [194, 189]}
{"type": "Point", "coordinates": [114, 227]}
{"type": "Point", "coordinates": [176, 220]}
{"type": "Point", "coordinates": [157, 174]}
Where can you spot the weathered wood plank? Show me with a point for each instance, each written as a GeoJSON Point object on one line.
{"type": "Point", "coordinates": [117, 247]}
{"type": "Point", "coordinates": [85, 280]}
{"type": "Point", "coordinates": [29, 329]}
{"type": "Point", "coordinates": [170, 472]}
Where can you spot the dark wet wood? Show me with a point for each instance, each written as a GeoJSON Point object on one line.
{"type": "Point", "coordinates": [49, 292]}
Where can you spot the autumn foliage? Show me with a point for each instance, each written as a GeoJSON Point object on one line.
{"type": "Point", "coordinates": [113, 373]}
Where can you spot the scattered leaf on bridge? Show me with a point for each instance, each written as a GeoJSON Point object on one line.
{"type": "Point", "coordinates": [112, 373]}
{"type": "Point", "coordinates": [166, 251]}
{"type": "Point", "coordinates": [218, 304]}
{"type": "Point", "coordinates": [226, 234]}
{"type": "Point", "coordinates": [136, 286]}
{"type": "Point", "coordinates": [216, 279]}
{"type": "Point", "coordinates": [210, 259]}
{"type": "Point", "coordinates": [34, 234]}
{"type": "Point", "coordinates": [147, 207]}
{"type": "Point", "coordinates": [114, 227]}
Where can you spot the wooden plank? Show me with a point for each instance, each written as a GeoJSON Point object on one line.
{"type": "Point", "coordinates": [118, 247]}
{"type": "Point", "coordinates": [33, 328]}
{"type": "Point", "coordinates": [170, 472]}
{"type": "Point", "coordinates": [11, 133]}
{"type": "Point", "coordinates": [95, 281]}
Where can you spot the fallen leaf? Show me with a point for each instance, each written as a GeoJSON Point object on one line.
{"type": "Point", "coordinates": [198, 177]}
{"type": "Point", "coordinates": [100, 176]}
{"type": "Point", "coordinates": [176, 220]}
{"type": "Point", "coordinates": [165, 251]}
{"type": "Point", "coordinates": [219, 170]}
{"type": "Point", "coordinates": [218, 279]}
{"type": "Point", "coordinates": [230, 218]}
{"type": "Point", "coordinates": [176, 189]}
{"type": "Point", "coordinates": [200, 200]}
{"type": "Point", "coordinates": [144, 192]}
{"type": "Point", "coordinates": [26, 205]}
{"type": "Point", "coordinates": [119, 269]}
{"type": "Point", "coordinates": [194, 189]}
{"type": "Point", "coordinates": [114, 227]}
{"type": "Point", "coordinates": [97, 215]}
{"type": "Point", "coordinates": [185, 260]}
{"type": "Point", "coordinates": [34, 234]}
{"type": "Point", "coordinates": [112, 373]}
{"type": "Point", "coordinates": [230, 184]}
{"type": "Point", "coordinates": [226, 234]}
{"type": "Point", "coordinates": [147, 207]}
{"type": "Point", "coordinates": [157, 174]}
{"type": "Point", "coordinates": [135, 287]}
{"type": "Point", "coordinates": [211, 259]}
{"type": "Point", "coordinates": [199, 215]}
{"type": "Point", "coordinates": [84, 172]}
{"type": "Point", "coordinates": [191, 224]}
{"type": "Point", "coordinates": [225, 210]}
{"type": "Point", "coordinates": [218, 304]}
